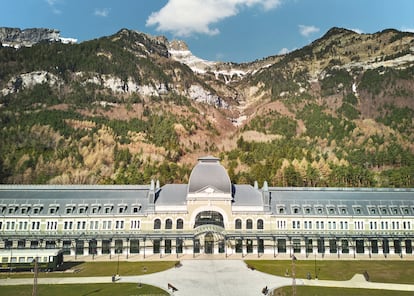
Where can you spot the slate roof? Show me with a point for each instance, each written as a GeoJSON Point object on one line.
{"type": "Point", "coordinates": [342, 201]}
{"type": "Point", "coordinates": [44, 198]}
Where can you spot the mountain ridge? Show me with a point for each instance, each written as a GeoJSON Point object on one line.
{"type": "Point", "coordinates": [128, 107]}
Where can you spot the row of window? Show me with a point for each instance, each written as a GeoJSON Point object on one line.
{"type": "Point", "coordinates": [68, 209]}
{"type": "Point", "coordinates": [69, 225]}
{"type": "Point", "coordinates": [344, 225]}
{"type": "Point", "coordinates": [343, 246]}
{"type": "Point", "coordinates": [168, 224]}
{"type": "Point", "coordinates": [249, 224]}
{"type": "Point", "coordinates": [343, 210]}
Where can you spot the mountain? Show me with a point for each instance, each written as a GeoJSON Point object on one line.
{"type": "Point", "coordinates": [129, 107]}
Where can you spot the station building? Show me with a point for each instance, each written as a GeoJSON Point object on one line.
{"type": "Point", "coordinates": [209, 215]}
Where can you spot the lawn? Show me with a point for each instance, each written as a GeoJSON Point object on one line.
{"type": "Point", "coordinates": [379, 271]}
{"type": "Point", "coordinates": [323, 291]}
{"type": "Point", "coordinates": [85, 269]}
{"type": "Point", "coordinates": [84, 289]}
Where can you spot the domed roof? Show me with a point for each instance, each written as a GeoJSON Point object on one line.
{"type": "Point", "coordinates": [209, 173]}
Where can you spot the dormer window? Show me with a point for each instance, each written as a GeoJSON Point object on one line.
{"type": "Point", "coordinates": [136, 208]}
{"type": "Point", "coordinates": [331, 210]}
{"type": "Point", "coordinates": [342, 210]}
{"type": "Point", "coordinates": [70, 208]}
{"type": "Point", "coordinates": [12, 209]}
{"type": "Point", "coordinates": [95, 209]}
{"type": "Point", "coordinates": [295, 209]}
{"type": "Point", "coordinates": [24, 209]}
{"type": "Point", "coordinates": [357, 210]}
{"type": "Point", "coordinates": [53, 209]}
{"type": "Point", "coordinates": [108, 208]}
{"type": "Point", "coordinates": [281, 209]}
{"type": "Point", "coordinates": [308, 210]}
{"type": "Point", "coordinates": [82, 208]}
{"type": "Point", "coordinates": [319, 210]}
{"type": "Point", "coordinates": [122, 208]}
{"type": "Point", "coordinates": [37, 209]}
{"type": "Point", "coordinates": [384, 211]}
{"type": "Point", "coordinates": [372, 211]}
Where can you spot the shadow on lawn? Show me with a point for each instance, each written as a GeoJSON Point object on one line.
{"type": "Point", "coordinates": [70, 265]}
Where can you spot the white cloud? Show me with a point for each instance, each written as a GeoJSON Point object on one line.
{"type": "Point", "coordinates": [184, 18]}
{"type": "Point", "coordinates": [307, 30]}
{"type": "Point", "coordinates": [284, 50]}
{"type": "Point", "coordinates": [52, 4]}
{"type": "Point", "coordinates": [103, 12]}
{"type": "Point", "coordinates": [356, 30]}
{"type": "Point", "coordinates": [405, 29]}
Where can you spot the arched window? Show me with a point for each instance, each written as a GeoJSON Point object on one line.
{"type": "Point", "coordinates": [180, 223]}
{"type": "Point", "coordinates": [238, 224]}
{"type": "Point", "coordinates": [209, 217]}
{"type": "Point", "coordinates": [260, 224]}
{"type": "Point", "coordinates": [249, 224]}
{"type": "Point", "coordinates": [157, 224]}
{"type": "Point", "coordinates": [168, 224]}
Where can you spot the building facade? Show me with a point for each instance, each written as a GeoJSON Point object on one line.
{"type": "Point", "coordinates": [209, 215]}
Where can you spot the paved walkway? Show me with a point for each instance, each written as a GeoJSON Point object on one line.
{"type": "Point", "coordinates": [215, 277]}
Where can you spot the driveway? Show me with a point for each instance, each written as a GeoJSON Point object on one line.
{"type": "Point", "coordinates": [211, 277]}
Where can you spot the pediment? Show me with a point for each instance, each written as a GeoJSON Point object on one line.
{"type": "Point", "coordinates": [209, 190]}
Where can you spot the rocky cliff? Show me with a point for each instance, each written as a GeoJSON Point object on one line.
{"type": "Point", "coordinates": [15, 37]}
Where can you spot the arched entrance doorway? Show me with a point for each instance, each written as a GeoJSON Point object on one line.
{"type": "Point", "coordinates": [209, 243]}
{"type": "Point", "coordinates": [211, 237]}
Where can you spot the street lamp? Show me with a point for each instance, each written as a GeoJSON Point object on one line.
{"type": "Point", "coordinates": [117, 268]}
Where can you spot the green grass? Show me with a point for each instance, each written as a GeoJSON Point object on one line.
{"type": "Point", "coordinates": [84, 290]}
{"type": "Point", "coordinates": [323, 291]}
{"type": "Point", "coordinates": [86, 269]}
{"type": "Point", "coordinates": [379, 271]}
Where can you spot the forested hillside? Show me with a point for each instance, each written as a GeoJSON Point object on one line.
{"type": "Point", "coordinates": [120, 109]}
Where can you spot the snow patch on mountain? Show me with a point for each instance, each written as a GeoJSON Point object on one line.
{"type": "Point", "coordinates": [179, 51]}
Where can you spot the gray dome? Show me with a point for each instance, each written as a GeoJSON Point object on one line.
{"type": "Point", "coordinates": [209, 173]}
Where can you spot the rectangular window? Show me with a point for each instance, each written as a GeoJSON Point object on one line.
{"type": "Point", "coordinates": [281, 246]}
{"type": "Point", "coordinates": [135, 224]}
{"type": "Point", "coordinates": [179, 245]}
{"type": "Point", "coordinates": [345, 246]}
{"type": "Point", "coordinates": [66, 246]}
{"type": "Point", "coordinates": [309, 246]}
{"type": "Point", "coordinates": [119, 246]}
{"type": "Point", "coordinates": [167, 246]}
{"type": "Point", "coordinates": [51, 225]}
{"type": "Point", "coordinates": [156, 246]}
{"type": "Point", "coordinates": [134, 246]}
{"type": "Point", "coordinates": [332, 246]}
{"type": "Point", "coordinates": [296, 246]}
{"type": "Point", "coordinates": [249, 246]}
{"type": "Point", "coordinates": [196, 246]}
{"type": "Point", "coordinates": [119, 224]}
{"type": "Point", "coordinates": [81, 225]}
{"type": "Point", "coordinates": [239, 246]}
{"type": "Point", "coordinates": [106, 246]}
{"type": "Point", "coordinates": [35, 225]}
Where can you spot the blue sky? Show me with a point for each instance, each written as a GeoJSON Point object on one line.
{"type": "Point", "coordinates": [224, 30]}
